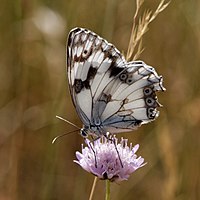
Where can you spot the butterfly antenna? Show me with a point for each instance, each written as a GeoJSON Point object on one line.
{"type": "Point", "coordinates": [65, 120]}
{"type": "Point", "coordinates": [59, 136]}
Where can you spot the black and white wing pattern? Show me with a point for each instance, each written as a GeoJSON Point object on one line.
{"type": "Point", "coordinates": [109, 94]}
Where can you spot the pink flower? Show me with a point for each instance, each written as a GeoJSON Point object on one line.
{"type": "Point", "coordinates": [101, 159]}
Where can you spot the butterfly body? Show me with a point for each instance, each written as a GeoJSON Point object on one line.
{"type": "Point", "coordinates": [109, 93]}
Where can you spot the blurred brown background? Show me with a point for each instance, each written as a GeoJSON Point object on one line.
{"type": "Point", "coordinates": [33, 89]}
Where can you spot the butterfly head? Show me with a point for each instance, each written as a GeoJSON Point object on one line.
{"type": "Point", "coordinates": [84, 132]}
{"type": "Point", "coordinates": [90, 131]}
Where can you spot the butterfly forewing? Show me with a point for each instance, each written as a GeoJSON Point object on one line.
{"type": "Point", "coordinates": [92, 63]}
{"type": "Point", "coordinates": [109, 94]}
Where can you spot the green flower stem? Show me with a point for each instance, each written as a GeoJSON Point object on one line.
{"type": "Point", "coordinates": [107, 189]}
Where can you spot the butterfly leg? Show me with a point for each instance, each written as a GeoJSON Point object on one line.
{"type": "Point", "coordinates": [90, 144]}
{"type": "Point", "coordinates": [113, 139]}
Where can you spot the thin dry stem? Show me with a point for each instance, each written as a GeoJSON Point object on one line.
{"type": "Point", "coordinates": [138, 30]}
{"type": "Point", "coordinates": [93, 188]}
{"type": "Point", "coordinates": [134, 29]}
{"type": "Point", "coordinates": [138, 5]}
{"type": "Point", "coordinates": [139, 51]}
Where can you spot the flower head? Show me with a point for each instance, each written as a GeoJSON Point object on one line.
{"type": "Point", "coordinates": [106, 160]}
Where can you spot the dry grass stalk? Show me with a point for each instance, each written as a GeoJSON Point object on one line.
{"type": "Point", "coordinates": [140, 28]}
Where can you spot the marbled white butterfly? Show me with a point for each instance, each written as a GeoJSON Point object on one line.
{"type": "Point", "coordinates": [109, 93]}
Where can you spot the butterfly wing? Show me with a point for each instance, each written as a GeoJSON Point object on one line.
{"type": "Point", "coordinates": [132, 99]}
{"type": "Point", "coordinates": [107, 91]}
{"type": "Point", "coordinates": [92, 63]}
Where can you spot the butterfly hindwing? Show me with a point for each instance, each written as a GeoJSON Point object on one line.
{"type": "Point", "coordinates": [132, 98]}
